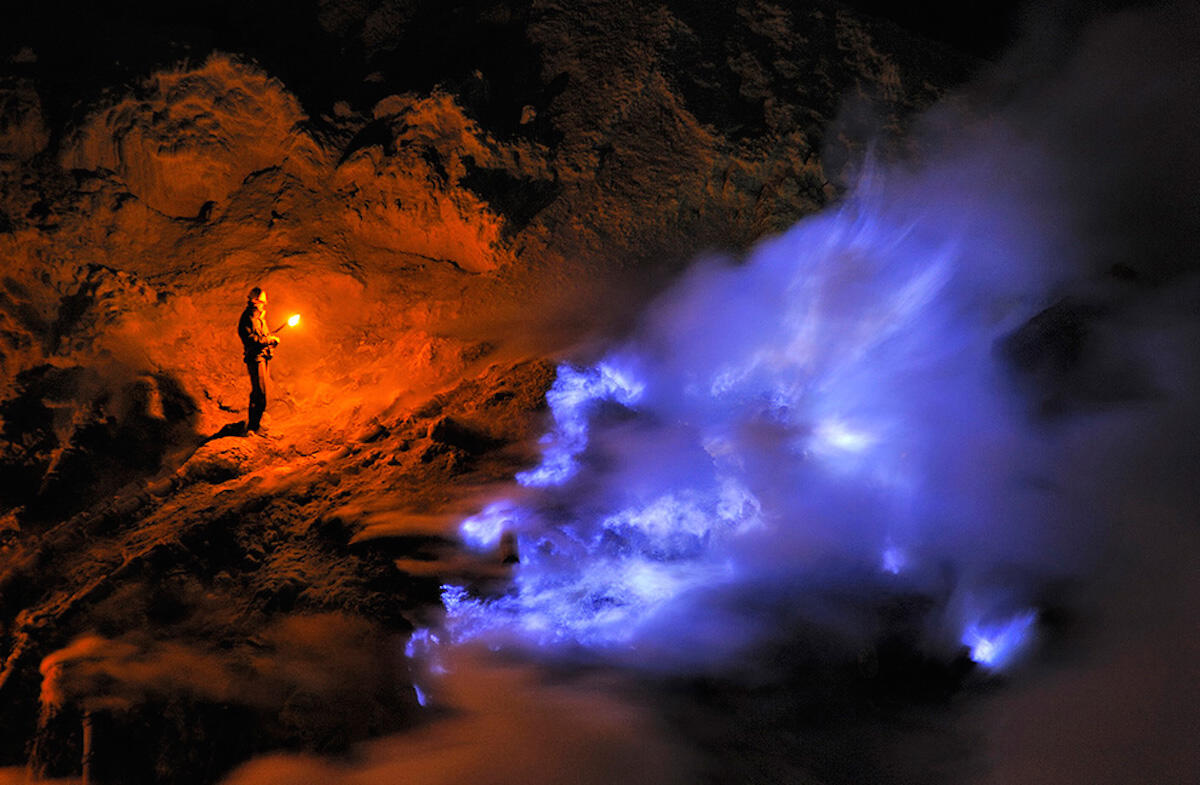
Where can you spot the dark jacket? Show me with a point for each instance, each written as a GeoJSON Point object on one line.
{"type": "Point", "coordinates": [256, 339]}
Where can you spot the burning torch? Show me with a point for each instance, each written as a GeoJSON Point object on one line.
{"type": "Point", "coordinates": [292, 321]}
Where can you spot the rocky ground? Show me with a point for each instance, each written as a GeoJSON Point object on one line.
{"type": "Point", "coordinates": [455, 198]}
{"type": "Point", "coordinates": [462, 196]}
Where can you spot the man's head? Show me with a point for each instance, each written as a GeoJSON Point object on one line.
{"type": "Point", "coordinates": [257, 296]}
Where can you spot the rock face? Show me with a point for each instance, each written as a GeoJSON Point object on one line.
{"type": "Point", "coordinates": [189, 137]}
{"type": "Point", "coordinates": [495, 185]}
{"type": "Point", "coordinates": [23, 132]}
{"type": "Point", "coordinates": [417, 228]}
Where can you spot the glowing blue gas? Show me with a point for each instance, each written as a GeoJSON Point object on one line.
{"type": "Point", "coordinates": [484, 530]}
{"type": "Point", "coordinates": [893, 560]}
{"type": "Point", "coordinates": [831, 402]}
{"type": "Point", "coordinates": [572, 400]}
{"type": "Point", "coordinates": [995, 645]}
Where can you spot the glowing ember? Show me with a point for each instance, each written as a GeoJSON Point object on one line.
{"type": "Point", "coordinates": [293, 320]}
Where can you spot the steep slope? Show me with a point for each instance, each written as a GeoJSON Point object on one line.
{"type": "Point", "coordinates": [459, 221]}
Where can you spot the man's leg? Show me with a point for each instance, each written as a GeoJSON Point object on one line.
{"type": "Point", "coordinates": [264, 381]}
{"type": "Point", "coordinates": [258, 393]}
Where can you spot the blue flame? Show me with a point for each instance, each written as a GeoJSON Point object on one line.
{"type": "Point", "coordinates": [421, 642]}
{"type": "Point", "coordinates": [832, 401]}
{"type": "Point", "coordinates": [572, 399]}
{"type": "Point", "coordinates": [423, 647]}
{"type": "Point", "coordinates": [995, 645]}
{"type": "Point", "coordinates": [483, 531]}
{"type": "Point", "coordinates": [893, 560]}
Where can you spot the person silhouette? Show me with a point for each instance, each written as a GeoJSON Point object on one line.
{"type": "Point", "coordinates": [257, 345]}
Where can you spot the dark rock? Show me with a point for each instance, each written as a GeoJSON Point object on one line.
{"type": "Point", "coordinates": [1064, 363]}
{"type": "Point", "coordinates": [453, 433]}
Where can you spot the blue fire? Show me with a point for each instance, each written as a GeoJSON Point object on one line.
{"type": "Point", "coordinates": [572, 399]}
{"type": "Point", "coordinates": [893, 560]}
{"type": "Point", "coordinates": [831, 403]}
{"type": "Point", "coordinates": [996, 645]}
{"type": "Point", "coordinates": [484, 529]}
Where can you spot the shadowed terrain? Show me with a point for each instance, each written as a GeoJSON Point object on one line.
{"type": "Point", "coordinates": [451, 196]}
{"type": "Point", "coordinates": [456, 198]}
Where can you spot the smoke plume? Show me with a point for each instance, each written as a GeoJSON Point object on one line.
{"type": "Point", "coordinates": [973, 380]}
{"type": "Point", "coordinates": [893, 390]}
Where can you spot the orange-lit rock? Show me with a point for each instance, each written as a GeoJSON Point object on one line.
{"type": "Point", "coordinates": [191, 136]}
{"type": "Point", "coordinates": [447, 236]}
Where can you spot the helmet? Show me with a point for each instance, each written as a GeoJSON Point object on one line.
{"type": "Point", "coordinates": [257, 295]}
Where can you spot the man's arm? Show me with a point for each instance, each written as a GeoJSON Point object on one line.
{"type": "Point", "coordinates": [252, 335]}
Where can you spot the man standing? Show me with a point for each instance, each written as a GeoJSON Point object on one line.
{"type": "Point", "coordinates": [257, 342]}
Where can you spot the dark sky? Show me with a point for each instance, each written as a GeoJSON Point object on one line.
{"type": "Point", "coordinates": [95, 41]}
{"type": "Point", "coordinates": [986, 28]}
{"type": "Point", "coordinates": [84, 48]}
